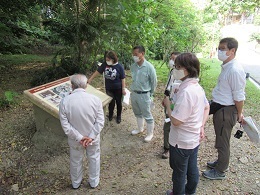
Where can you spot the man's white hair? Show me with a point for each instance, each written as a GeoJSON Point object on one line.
{"type": "Point", "coordinates": [79, 81]}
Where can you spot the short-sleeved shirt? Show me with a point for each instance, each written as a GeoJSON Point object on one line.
{"type": "Point", "coordinates": [144, 77]}
{"type": "Point", "coordinates": [113, 75]}
{"type": "Point", "coordinates": [189, 109]}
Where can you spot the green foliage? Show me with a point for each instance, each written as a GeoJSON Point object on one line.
{"type": "Point", "coordinates": [252, 100]}
{"type": "Point", "coordinates": [88, 28]}
{"type": "Point", "coordinates": [8, 99]}
{"type": "Point", "coordinates": [162, 72]}
{"type": "Point", "coordinates": [204, 67]}
{"type": "Point", "coordinates": [227, 8]}
{"type": "Point", "coordinates": [78, 25]}
{"type": "Point", "coordinates": [66, 66]}
{"type": "Point", "coordinates": [209, 76]}
{"type": "Point", "coordinates": [21, 28]}
{"type": "Point", "coordinates": [129, 23]}
{"type": "Point", "coordinates": [255, 37]}
{"type": "Point", "coordinates": [257, 20]}
{"type": "Point", "coordinates": [11, 11]}
{"type": "Point", "coordinates": [47, 75]}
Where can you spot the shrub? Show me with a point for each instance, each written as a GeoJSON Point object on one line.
{"type": "Point", "coordinates": [8, 99]}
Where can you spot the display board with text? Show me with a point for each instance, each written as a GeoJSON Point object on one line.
{"type": "Point", "coordinates": [48, 96]}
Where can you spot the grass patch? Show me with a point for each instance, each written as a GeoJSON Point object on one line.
{"type": "Point", "coordinates": [162, 70]}
{"type": "Point", "coordinates": [9, 60]}
{"type": "Point", "coordinates": [210, 77]}
{"type": "Point", "coordinates": [8, 99]}
{"type": "Point", "coordinates": [252, 107]}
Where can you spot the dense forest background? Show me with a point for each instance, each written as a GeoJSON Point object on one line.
{"type": "Point", "coordinates": [78, 32]}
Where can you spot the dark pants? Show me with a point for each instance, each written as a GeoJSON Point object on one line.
{"type": "Point", "coordinates": [166, 132]}
{"type": "Point", "coordinates": [224, 120]}
{"type": "Point", "coordinates": [184, 165]}
{"type": "Point", "coordinates": [116, 94]}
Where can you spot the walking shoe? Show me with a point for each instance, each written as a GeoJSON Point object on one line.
{"type": "Point", "coordinates": [165, 154]}
{"type": "Point", "coordinates": [169, 192]}
{"type": "Point", "coordinates": [118, 120]}
{"type": "Point", "coordinates": [213, 174]}
{"type": "Point", "coordinates": [212, 165]}
{"type": "Point", "coordinates": [110, 117]}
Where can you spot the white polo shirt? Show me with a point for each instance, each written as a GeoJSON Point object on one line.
{"type": "Point", "coordinates": [189, 108]}
{"type": "Point", "coordinates": [231, 84]}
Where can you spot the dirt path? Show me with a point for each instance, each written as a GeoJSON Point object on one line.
{"type": "Point", "coordinates": [128, 165]}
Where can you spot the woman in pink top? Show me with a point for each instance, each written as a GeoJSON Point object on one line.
{"type": "Point", "coordinates": [188, 117]}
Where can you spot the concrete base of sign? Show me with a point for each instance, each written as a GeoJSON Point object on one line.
{"type": "Point", "coordinates": [49, 132]}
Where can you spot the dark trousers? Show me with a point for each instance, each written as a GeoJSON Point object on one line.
{"type": "Point", "coordinates": [166, 132]}
{"type": "Point", "coordinates": [224, 120]}
{"type": "Point", "coordinates": [116, 94]}
{"type": "Point", "coordinates": [185, 175]}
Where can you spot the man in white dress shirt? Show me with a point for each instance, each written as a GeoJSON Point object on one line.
{"type": "Point", "coordinates": [227, 105]}
{"type": "Point", "coordinates": [82, 119]}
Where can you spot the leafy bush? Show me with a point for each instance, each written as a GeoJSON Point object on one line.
{"type": "Point", "coordinates": [255, 37]}
{"type": "Point", "coordinates": [48, 75]}
{"type": "Point", "coordinates": [66, 68]}
{"type": "Point", "coordinates": [8, 99]}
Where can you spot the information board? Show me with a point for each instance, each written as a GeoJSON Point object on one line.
{"type": "Point", "coordinates": [48, 96]}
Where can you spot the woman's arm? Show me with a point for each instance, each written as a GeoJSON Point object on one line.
{"type": "Point", "coordinates": [93, 76]}
{"type": "Point", "coordinates": [123, 87]}
{"type": "Point", "coordinates": [167, 103]}
{"type": "Point", "coordinates": [205, 118]}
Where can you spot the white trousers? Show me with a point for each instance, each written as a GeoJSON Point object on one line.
{"type": "Point", "coordinates": [76, 162]}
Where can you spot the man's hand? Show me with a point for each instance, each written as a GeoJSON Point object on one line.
{"type": "Point", "coordinates": [240, 119]}
{"type": "Point", "coordinates": [86, 141]}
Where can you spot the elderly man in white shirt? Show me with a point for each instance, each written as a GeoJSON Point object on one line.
{"type": "Point", "coordinates": [82, 119]}
{"type": "Point", "coordinates": [227, 105]}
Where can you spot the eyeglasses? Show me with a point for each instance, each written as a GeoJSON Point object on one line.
{"type": "Point", "coordinates": [177, 67]}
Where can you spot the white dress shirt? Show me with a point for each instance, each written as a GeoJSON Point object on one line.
{"type": "Point", "coordinates": [231, 84]}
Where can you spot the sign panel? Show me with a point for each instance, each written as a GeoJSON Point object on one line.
{"type": "Point", "coordinates": [48, 96]}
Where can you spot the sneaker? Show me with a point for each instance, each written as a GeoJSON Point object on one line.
{"type": "Point", "coordinates": [165, 154]}
{"type": "Point", "coordinates": [169, 192]}
{"type": "Point", "coordinates": [212, 165]}
{"type": "Point", "coordinates": [213, 174]}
